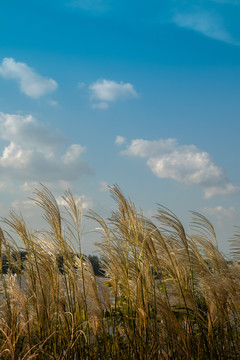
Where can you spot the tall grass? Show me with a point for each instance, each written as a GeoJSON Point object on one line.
{"type": "Point", "coordinates": [166, 295]}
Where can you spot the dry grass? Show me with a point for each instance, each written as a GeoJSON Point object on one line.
{"type": "Point", "coordinates": [168, 295]}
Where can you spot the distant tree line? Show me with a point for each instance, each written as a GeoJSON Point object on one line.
{"type": "Point", "coordinates": [15, 263]}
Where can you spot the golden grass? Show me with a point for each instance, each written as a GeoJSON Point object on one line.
{"type": "Point", "coordinates": [167, 294]}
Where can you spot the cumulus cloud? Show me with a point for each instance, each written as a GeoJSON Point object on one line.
{"type": "Point", "coordinates": [31, 84]}
{"type": "Point", "coordinates": [120, 140]}
{"type": "Point", "coordinates": [106, 91]}
{"type": "Point", "coordinates": [205, 23]}
{"type": "Point", "coordinates": [34, 152]}
{"type": "Point", "coordinates": [184, 163]}
{"type": "Point", "coordinates": [14, 156]}
{"type": "Point", "coordinates": [73, 153]}
{"type": "Point", "coordinates": [26, 129]}
{"type": "Point", "coordinates": [145, 148]}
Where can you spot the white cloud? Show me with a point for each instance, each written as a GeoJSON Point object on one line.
{"type": "Point", "coordinates": [37, 153]}
{"type": "Point", "coordinates": [189, 166]}
{"type": "Point", "coordinates": [29, 211]}
{"type": "Point", "coordinates": [222, 214]}
{"type": "Point", "coordinates": [58, 186]}
{"type": "Point", "coordinates": [184, 163]}
{"type": "Point", "coordinates": [3, 185]}
{"type": "Point", "coordinates": [228, 189]}
{"type": "Point", "coordinates": [22, 205]}
{"type": "Point", "coordinates": [29, 186]}
{"type": "Point", "coordinates": [31, 84]}
{"type": "Point", "coordinates": [26, 129]}
{"type": "Point", "coordinates": [205, 23]}
{"type": "Point", "coordinates": [149, 213]}
{"type": "Point", "coordinates": [120, 140]}
{"type": "Point", "coordinates": [53, 103]}
{"type": "Point", "coordinates": [73, 153]}
{"type": "Point", "coordinates": [106, 91]}
{"type": "Point", "coordinates": [103, 186]}
{"type": "Point", "coordinates": [145, 148]}
{"type": "Point", "coordinates": [15, 156]}
{"type": "Point", "coordinates": [81, 200]}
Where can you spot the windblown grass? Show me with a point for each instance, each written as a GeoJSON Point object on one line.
{"type": "Point", "coordinates": [167, 294]}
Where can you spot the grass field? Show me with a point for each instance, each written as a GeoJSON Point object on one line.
{"type": "Point", "coordinates": [165, 295]}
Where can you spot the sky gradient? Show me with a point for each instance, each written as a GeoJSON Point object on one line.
{"type": "Point", "coordinates": [143, 95]}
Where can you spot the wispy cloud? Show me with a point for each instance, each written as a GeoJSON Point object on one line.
{"type": "Point", "coordinates": [53, 103]}
{"type": "Point", "coordinates": [222, 214]}
{"type": "Point", "coordinates": [31, 84]}
{"type": "Point", "coordinates": [205, 23]}
{"type": "Point", "coordinates": [37, 153]}
{"type": "Point", "coordinates": [183, 163]}
{"type": "Point", "coordinates": [3, 185]}
{"type": "Point", "coordinates": [106, 91]}
{"type": "Point", "coordinates": [120, 140]}
{"type": "Point", "coordinates": [100, 105]}
{"type": "Point", "coordinates": [103, 186]}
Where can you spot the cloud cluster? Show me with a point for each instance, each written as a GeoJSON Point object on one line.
{"type": "Point", "coordinates": [34, 152]}
{"type": "Point", "coordinates": [31, 84]}
{"type": "Point", "coordinates": [106, 91]}
{"type": "Point", "coordinates": [184, 163]}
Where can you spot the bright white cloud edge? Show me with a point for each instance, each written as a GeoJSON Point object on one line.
{"type": "Point", "coordinates": [30, 83]}
{"type": "Point", "coordinates": [104, 91]}
{"type": "Point", "coordinates": [183, 163]}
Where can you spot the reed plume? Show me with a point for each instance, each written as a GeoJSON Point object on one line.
{"type": "Point", "coordinates": [165, 294]}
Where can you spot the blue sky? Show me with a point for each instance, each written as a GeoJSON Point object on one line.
{"type": "Point", "coordinates": [145, 95]}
